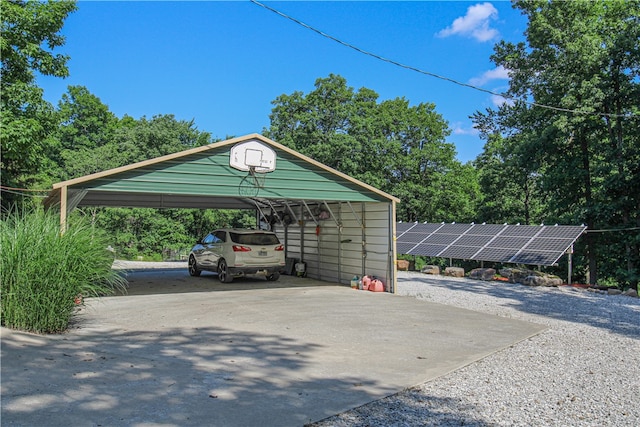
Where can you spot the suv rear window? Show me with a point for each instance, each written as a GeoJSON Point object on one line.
{"type": "Point", "coordinates": [254, 239]}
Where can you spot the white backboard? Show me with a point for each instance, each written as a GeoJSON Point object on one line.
{"type": "Point", "coordinates": [252, 154]}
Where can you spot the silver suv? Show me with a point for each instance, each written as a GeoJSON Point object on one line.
{"type": "Point", "coordinates": [238, 252]}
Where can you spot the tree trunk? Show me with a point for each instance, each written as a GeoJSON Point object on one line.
{"type": "Point", "coordinates": [588, 197]}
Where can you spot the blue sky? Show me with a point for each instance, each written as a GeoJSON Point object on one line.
{"type": "Point", "coordinates": [223, 63]}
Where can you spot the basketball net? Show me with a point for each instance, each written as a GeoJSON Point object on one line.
{"type": "Point", "coordinates": [251, 183]}
{"type": "Point", "coordinates": [258, 177]}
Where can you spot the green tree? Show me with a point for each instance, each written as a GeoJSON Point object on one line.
{"type": "Point", "coordinates": [152, 232]}
{"type": "Point", "coordinates": [90, 138]}
{"type": "Point", "coordinates": [85, 122]}
{"type": "Point", "coordinates": [509, 172]}
{"type": "Point", "coordinates": [29, 34]}
{"type": "Point", "coordinates": [582, 58]}
{"type": "Point", "coordinates": [391, 145]}
{"type": "Point", "coordinates": [146, 139]}
{"type": "Point", "coordinates": [84, 138]}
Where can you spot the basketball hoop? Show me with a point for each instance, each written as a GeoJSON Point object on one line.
{"type": "Point", "coordinates": [255, 158]}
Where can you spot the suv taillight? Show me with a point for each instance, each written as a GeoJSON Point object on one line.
{"type": "Point", "coordinates": [280, 248]}
{"type": "Point", "coordinates": [238, 248]}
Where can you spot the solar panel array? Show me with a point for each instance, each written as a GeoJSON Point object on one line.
{"type": "Point", "coordinates": [518, 244]}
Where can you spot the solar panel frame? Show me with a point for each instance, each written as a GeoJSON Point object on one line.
{"type": "Point", "coordinates": [412, 237]}
{"type": "Point", "coordinates": [487, 229]}
{"type": "Point", "coordinates": [473, 240]}
{"type": "Point", "coordinates": [521, 230]}
{"type": "Point", "coordinates": [494, 255]}
{"type": "Point", "coordinates": [561, 232]}
{"type": "Point", "coordinates": [509, 242]}
{"type": "Point", "coordinates": [401, 227]}
{"type": "Point", "coordinates": [534, 258]}
{"type": "Point", "coordinates": [427, 250]}
{"type": "Point", "coordinates": [425, 228]}
{"type": "Point", "coordinates": [453, 228]}
{"type": "Point", "coordinates": [404, 247]}
{"type": "Point", "coordinates": [440, 239]}
{"type": "Point", "coordinates": [458, 252]}
{"type": "Point", "coordinates": [520, 244]}
{"type": "Point", "coordinates": [554, 245]}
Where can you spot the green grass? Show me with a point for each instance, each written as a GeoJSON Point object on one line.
{"type": "Point", "coordinates": [43, 271]}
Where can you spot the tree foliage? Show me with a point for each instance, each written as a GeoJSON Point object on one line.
{"type": "Point", "coordinates": [154, 232]}
{"type": "Point", "coordinates": [30, 33]}
{"type": "Point", "coordinates": [390, 145]}
{"type": "Point", "coordinates": [509, 172]}
{"type": "Point", "coordinates": [583, 58]}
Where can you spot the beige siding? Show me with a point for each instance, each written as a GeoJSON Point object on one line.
{"type": "Point", "coordinates": [336, 254]}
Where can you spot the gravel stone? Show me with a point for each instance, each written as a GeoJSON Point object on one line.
{"type": "Point", "coordinates": [584, 370]}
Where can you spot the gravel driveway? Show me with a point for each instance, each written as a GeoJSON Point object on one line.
{"type": "Point", "coordinates": [583, 371]}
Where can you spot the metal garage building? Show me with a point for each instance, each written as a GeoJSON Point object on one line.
{"type": "Point", "coordinates": [340, 227]}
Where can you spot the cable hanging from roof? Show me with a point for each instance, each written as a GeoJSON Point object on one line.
{"type": "Point", "coordinates": [448, 79]}
{"type": "Point", "coordinates": [4, 187]}
{"type": "Point", "coordinates": [23, 193]}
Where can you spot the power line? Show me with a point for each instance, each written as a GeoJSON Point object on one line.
{"type": "Point", "coordinates": [613, 230]}
{"type": "Point", "coordinates": [19, 193]}
{"type": "Point", "coordinates": [4, 187]}
{"type": "Point", "coordinates": [418, 70]}
{"type": "Point", "coordinates": [23, 191]}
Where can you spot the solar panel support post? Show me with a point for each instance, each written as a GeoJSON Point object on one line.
{"type": "Point", "coordinates": [569, 264]}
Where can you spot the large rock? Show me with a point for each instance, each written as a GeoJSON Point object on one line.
{"type": "Point", "coordinates": [454, 271]}
{"type": "Point", "coordinates": [520, 275]}
{"type": "Point", "coordinates": [541, 280]}
{"type": "Point", "coordinates": [554, 281]}
{"type": "Point", "coordinates": [430, 269]}
{"type": "Point", "coordinates": [482, 273]}
{"type": "Point", "coordinates": [631, 293]}
{"type": "Point", "coordinates": [530, 277]}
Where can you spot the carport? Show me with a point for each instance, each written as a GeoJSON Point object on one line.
{"type": "Point", "coordinates": [337, 226]}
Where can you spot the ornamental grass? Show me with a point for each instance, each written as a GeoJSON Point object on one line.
{"type": "Point", "coordinates": [43, 272]}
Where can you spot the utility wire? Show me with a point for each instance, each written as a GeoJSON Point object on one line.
{"type": "Point", "coordinates": [19, 193]}
{"type": "Point", "coordinates": [418, 70]}
{"type": "Point", "coordinates": [613, 230]}
{"type": "Point", "coordinates": [22, 191]}
{"type": "Point", "coordinates": [4, 187]}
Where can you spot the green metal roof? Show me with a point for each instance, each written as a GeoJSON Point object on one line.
{"type": "Point", "coordinates": [204, 172]}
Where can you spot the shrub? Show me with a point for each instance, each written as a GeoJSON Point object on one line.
{"type": "Point", "coordinates": [42, 271]}
{"type": "Point", "coordinates": [608, 282]}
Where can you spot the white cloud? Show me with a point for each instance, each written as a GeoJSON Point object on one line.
{"type": "Point", "coordinates": [474, 24]}
{"type": "Point", "coordinates": [498, 73]}
{"type": "Point", "coordinates": [498, 100]}
{"type": "Point", "coordinates": [458, 129]}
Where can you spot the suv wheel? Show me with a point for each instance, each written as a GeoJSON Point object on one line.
{"type": "Point", "coordinates": [223, 272]}
{"type": "Point", "coordinates": [273, 277]}
{"type": "Point", "coordinates": [193, 267]}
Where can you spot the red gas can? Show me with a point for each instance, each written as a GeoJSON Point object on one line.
{"type": "Point", "coordinates": [376, 285]}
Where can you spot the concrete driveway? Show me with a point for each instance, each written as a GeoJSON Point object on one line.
{"type": "Point", "coordinates": [185, 351]}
